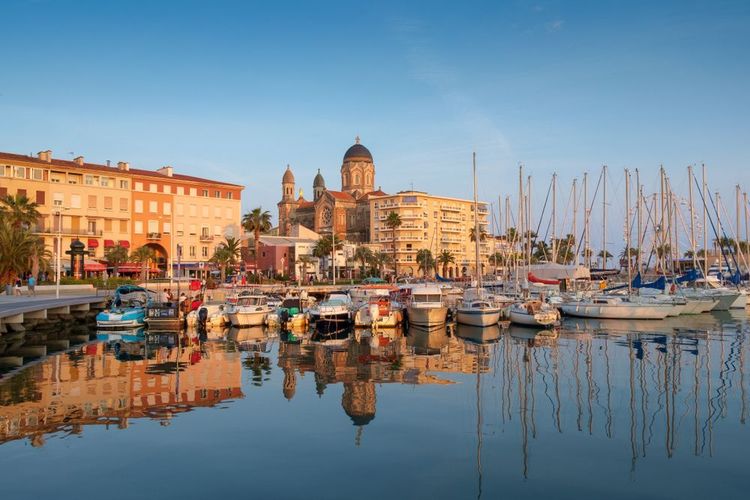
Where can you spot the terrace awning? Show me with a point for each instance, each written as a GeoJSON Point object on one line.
{"type": "Point", "coordinates": [109, 243]}
{"type": "Point", "coordinates": [124, 243]}
{"type": "Point", "coordinates": [93, 243]}
{"type": "Point", "coordinates": [94, 267]}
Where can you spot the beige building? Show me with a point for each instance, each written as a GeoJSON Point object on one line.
{"type": "Point", "coordinates": [430, 222]}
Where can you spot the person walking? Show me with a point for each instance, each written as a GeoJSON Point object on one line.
{"type": "Point", "coordinates": [30, 285]}
{"type": "Point", "coordinates": [17, 287]}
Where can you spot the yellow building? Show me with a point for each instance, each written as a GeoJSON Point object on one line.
{"type": "Point", "coordinates": [430, 222]}
{"type": "Point", "coordinates": [106, 206]}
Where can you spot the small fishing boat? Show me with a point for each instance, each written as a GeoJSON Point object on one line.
{"type": "Point", "coordinates": [128, 308]}
{"type": "Point", "coordinates": [249, 310]}
{"type": "Point", "coordinates": [478, 312]}
{"type": "Point", "coordinates": [533, 313]}
{"type": "Point", "coordinates": [379, 312]}
{"type": "Point", "coordinates": [163, 316]}
{"type": "Point", "coordinates": [362, 294]}
{"type": "Point", "coordinates": [425, 306]}
{"type": "Point", "coordinates": [334, 313]}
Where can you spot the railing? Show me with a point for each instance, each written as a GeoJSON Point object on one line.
{"type": "Point", "coordinates": [448, 218]}
{"type": "Point", "coordinates": [451, 229]}
{"type": "Point", "coordinates": [153, 236]}
{"type": "Point", "coordinates": [67, 231]}
{"type": "Point", "coordinates": [450, 208]}
{"type": "Point", "coordinates": [206, 237]}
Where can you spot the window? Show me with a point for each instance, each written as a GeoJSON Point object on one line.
{"type": "Point", "coordinates": [217, 212]}
{"type": "Point", "coordinates": [75, 201]}
{"type": "Point", "coordinates": [92, 201]}
{"type": "Point", "coordinates": [138, 206]}
{"type": "Point", "coordinates": [180, 190]}
{"type": "Point", "coordinates": [217, 194]}
{"type": "Point", "coordinates": [139, 186]}
{"type": "Point", "coordinates": [91, 226]}
{"type": "Point", "coordinates": [228, 213]}
{"type": "Point", "coordinates": [204, 211]}
{"type": "Point", "coordinates": [217, 230]}
{"type": "Point", "coordinates": [167, 189]}
{"type": "Point", "coordinates": [88, 180]}
{"type": "Point", "coordinates": [19, 172]}
{"type": "Point", "coordinates": [138, 227]}
{"type": "Point", "coordinates": [204, 193]}
{"type": "Point", "coordinates": [57, 177]}
{"type": "Point", "coordinates": [193, 211]}
{"type": "Point", "coordinates": [106, 182]}
{"type": "Point", "coordinates": [180, 229]}
{"type": "Point", "coordinates": [192, 251]}
{"type": "Point", "coordinates": [123, 204]}
{"type": "Point", "coordinates": [37, 174]}
{"type": "Point", "coordinates": [193, 192]}
{"type": "Point", "coordinates": [204, 232]}
{"type": "Point", "coordinates": [124, 184]}
{"type": "Point", "coordinates": [229, 195]}
{"type": "Point", "coordinates": [204, 251]}
{"type": "Point", "coordinates": [192, 230]}
{"type": "Point", "coordinates": [229, 232]}
{"type": "Point", "coordinates": [153, 226]}
{"type": "Point", "coordinates": [57, 199]}
{"type": "Point", "coordinates": [40, 197]}
{"type": "Point", "coordinates": [123, 226]}
{"type": "Point", "coordinates": [108, 225]}
{"type": "Point", "coordinates": [153, 188]}
{"type": "Point", "coordinates": [167, 227]}
{"type": "Point", "coordinates": [167, 208]}
{"type": "Point", "coordinates": [179, 209]}
{"type": "Point", "coordinates": [153, 207]}
{"type": "Point", "coordinates": [108, 203]}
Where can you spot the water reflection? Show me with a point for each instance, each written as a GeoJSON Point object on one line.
{"type": "Point", "coordinates": [521, 399]}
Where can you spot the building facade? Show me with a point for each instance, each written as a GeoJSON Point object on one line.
{"type": "Point", "coordinates": [430, 222]}
{"type": "Point", "coordinates": [106, 206]}
{"type": "Point", "coordinates": [346, 212]}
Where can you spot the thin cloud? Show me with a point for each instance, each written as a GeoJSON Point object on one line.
{"type": "Point", "coordinates": [555, 25]}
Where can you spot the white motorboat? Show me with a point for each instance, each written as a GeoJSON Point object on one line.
{"type": "Point", "coordinates": [334, 313]}
{"type": "Point", "coordinates": [533, 313]}
{"type": "Point", "coordinates": [379, 312]}
{"type": "Point", "coordinates": [361, 295]}
{"type": "Point", "coordinates": [610, 307]}
{"type": "Point", "coordinates": [249, 310]}
{"type": "Point", "coordinates": [478, 312]}
{"type": "Point", "coordinates": [425, 305]}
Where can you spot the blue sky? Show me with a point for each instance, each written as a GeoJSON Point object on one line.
{"type": "Point", "coordinates": [236, 90]}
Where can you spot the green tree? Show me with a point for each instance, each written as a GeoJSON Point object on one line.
{"type": "Point", "coordinates": [425, 261]}
{"type": "Point", "coordinates": [393, 221]}
{"type": "Point", "coordinates": [16, 248]}
{"type": "Point", "coordinates": [541, 251]}
{"type": "Point", "coordinates": [379, 261]}
{"type": "Point", "coordinates": [234, 249]}
{"type": "Point", "coordinates": [305, 261]}
{"type": "Point", "coordinates": [115, 257]}
{"type": "Point", "coordinates": [445, 258]}
{"type": "Point", "coordinates": [144, 256]}
{"type": "Point", "coordinates": [605, 256]}
{"type": "Point", "coordinates": [221, 258]}
{"type": "Point", "coordinates": [324, 247]}
{"type": "Point", "coordinates": [257, 221]}
{"type": "Point", "coordinates": [482, 234]}
{"type": "Point", "coordinates": [19, 211]}
{"type": "Point", "coordinates": [363, 255]}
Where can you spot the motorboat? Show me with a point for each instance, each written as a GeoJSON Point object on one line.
{"type": "Point", "coordinates": [128, 308]}
{"type": "Point", "coordinates": [361, 295]}
{"type": "Point", "coordinates": [249, 310]}
{"type": "Point", "coordinates": [216, 317]}
{"type": "Point", "coordinates": [379, 312]}
{"type": "Point", "coordinates": [334, 313]}
{"type": "Point", "coordinates": [612, 307]}
{"type": "Point", "coordinates": [533, 313]}
{"type": "Point", "coordinates": [478, 312]}
{"type": "Point", "coordinates": [425, 305]}
{"type": "Point", "coordinates": [163, 316]}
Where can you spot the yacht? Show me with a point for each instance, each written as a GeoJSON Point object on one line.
{"type": "Point", "coordinates": [249, 310]}
{"type": "Point", "coordinates": [612, 307]}
{"type": "Point", "coordinates": [425, 306]}
{"type": "Point", "coordinates": [333, 313]}
{"type": "Point", "coordinates": [533, 313]}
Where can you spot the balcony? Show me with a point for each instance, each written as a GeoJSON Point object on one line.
{"type": "Point", "coordinates": [153, 236]}
{"type": "Point", "coordinates": [449, 218]}
{"type": "Point", "coordinates": [206, 237]}
{"type": "Point", "coordinates": [450, 208]}
{"type": "Point", "coordinates": [67, 231]}
{"type": "Point", "coordinates": [450, 229]}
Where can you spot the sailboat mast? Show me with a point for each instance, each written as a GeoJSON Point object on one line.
{"type": "Point", "coordinates": [586, 256]}
{"type": "Point", "coordinates": [744, 205]}
{"type": "Point", "coordinates": [604, 217]}
{"type": "Point", "coordinates": [528, 218]}
{"type": "Point", "coordinates": [705, 227]}
{"type": "Point", "coordinates": [554, 216]}
{"type": "Point", "coordinates": [737, 224]}
{"type": "Point", "coordinates": [627, 229]}
{"type": "Point", "coordinates": [639, 208]}
{"type": "Point", "coordinates": [575, 217]}
{"type": "Point", "coordinates": [476, 223]}
{"type": "Point", "coordinates": [662, 258]}
{"type": "Point", "coordinates": [692, 215]}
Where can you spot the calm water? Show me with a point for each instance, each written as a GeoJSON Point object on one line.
{"type": "Point", "coordinates": [617, 410]}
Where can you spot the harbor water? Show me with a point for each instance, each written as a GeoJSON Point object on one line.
{"type": "Point", "coordinates": [592, 410]}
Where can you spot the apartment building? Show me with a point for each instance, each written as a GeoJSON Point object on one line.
{"type": "Point", "coordinates": [430, 222]}
{"type": "Point", "coordinates": [106, 206]}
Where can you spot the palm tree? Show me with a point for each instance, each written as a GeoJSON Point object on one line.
{"type": "Point", "coordinates": [305, 260]}
{"type": "Point", "coordinates": [19, 210]}
{"type": "Point", "coordinates": [425, 261]}
{"type": "Point", "coordinates": [446, 257]}
{"type": "Point", "coordinates": [482, 234]}
{"type": "Point", "coordinates": [393, 221]}
{"type": "Point", "coordinates": [257, 221]}
{"type": "Point", "coordinates": [604, 255]}
{"type": "Point", "coordinates": [222, 257]}
{"type": "Point", "coordinates": [234, 247]}
{"type": "Point", "coordinates": [363, 255]}
{"type": "Point", "coordinates": [324, 247]}
{"type": "Point", "coordinates": [16, 247]}
{"type": "Point", "coordinates": [40, 256]}
{"type": "Point", "coordinates": [115, 256]}
{"type": "Point", "coordinates": [541, 250]}
{"type": "Point", "coordinates": [143, 255]}
{"type": "Point", "coordinates": [379, 261]}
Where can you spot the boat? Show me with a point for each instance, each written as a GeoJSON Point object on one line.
{"type": "Point", "coordinates": [163, 316]}
{"type": "Point", "coordinates": [478, 312]}
{"type": "Point", "coordinates": [425, 305]}
{"type": "Point", "coordinates": [379, 312]}
{"type": "Point", "coordinates": [533, 313]}
{"type": "Point", "coordinates": [216, 315]}
{"type": "Point", "coordinates": [128, 308]}
{"type": "Point", "coordinates": [333, 314]}
{"type": "Point", "coordinates": [611, 307]}
{"type": "Point", "coordinates": [361, 295]}
{"type": "Point", "coordinates": [249, 310]}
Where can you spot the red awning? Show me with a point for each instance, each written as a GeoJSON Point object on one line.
{"type": "Point", "coordinates": [124, 243]}
{"type": "Point", "coordinates": [93, 243]}
{"type": "Point", "coordinates": [134, 268]}
{"type": "Point", "coordinates": [94, 267]}
{"type": "Point", "coordinates": [109, 243]}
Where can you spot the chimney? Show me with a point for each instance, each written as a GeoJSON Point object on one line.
{"type": "Point", "coordinates": [45, 156]}
{"type": "Point", "coordinates": [168, 171]}
{"type": "Point", "coordinates": [78, 160]}
{"type": "Point", "coordinates": [123, 165]}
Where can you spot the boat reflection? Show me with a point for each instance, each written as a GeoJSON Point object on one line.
{"type": "Point", "coordinates": [478, 334]}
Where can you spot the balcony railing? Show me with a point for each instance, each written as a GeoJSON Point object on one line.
{"type": "Point", "coordinates": [67, 231]}
{"type": "Point", "coordinates": [206, 237]}
{"type": "Point", "coordinates": [153, 236]}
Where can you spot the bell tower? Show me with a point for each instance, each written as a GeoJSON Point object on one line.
{"type": "Point", "coordinates": [288, 205]}
{"type": "Point", "coordinates": [357, 170]}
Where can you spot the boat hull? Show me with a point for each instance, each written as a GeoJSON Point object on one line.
{"type": "Point", "coordinates": [427, 316]}
{"type": "Point", "coordinates": [245, 319]}
{"type": "Point", "coordinates": [539, 319]}
{"type": "Point", "coordinates": [121, 319]}
{"type": "Point", "coordinates": [478, 317]}
{"type": "Point", "coordinates": [619, 311]}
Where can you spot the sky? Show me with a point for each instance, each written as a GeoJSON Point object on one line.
{"type": "Point", "coordinates": [235, 91]}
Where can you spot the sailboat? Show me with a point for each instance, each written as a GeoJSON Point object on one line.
{"type": "Point", "coordinates": [477, 311]}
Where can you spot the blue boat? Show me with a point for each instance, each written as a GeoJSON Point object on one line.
{"type": "Point", "coordinates": [128, 309]}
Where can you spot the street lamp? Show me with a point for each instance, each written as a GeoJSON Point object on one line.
{"type": "Point", "coordinates": [58, 263]}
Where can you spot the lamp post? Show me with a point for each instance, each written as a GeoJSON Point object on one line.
{"type": "Point", "coordinates": [58, 251]}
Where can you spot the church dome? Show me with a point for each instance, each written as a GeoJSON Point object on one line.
{"type": "Point", "coordinates": [288, 176]}
{"type": "Point", "coordinates": [319, 181]}
{"type": "Point", "coordinates": [357, 151]}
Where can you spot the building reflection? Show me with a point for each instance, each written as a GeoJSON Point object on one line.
{"type": "Point", "coordinates": [115, 380]}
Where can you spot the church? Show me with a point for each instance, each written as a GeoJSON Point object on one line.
{"type": "Point", "coordinates": [345, 212]}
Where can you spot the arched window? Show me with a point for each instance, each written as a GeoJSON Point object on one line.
{"type": "Point", "coordinates": [356, 179]}
{"type": "Point", "coordinates": [346, 179]}
{"type": "Point", "coordinates": [368, 178]}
